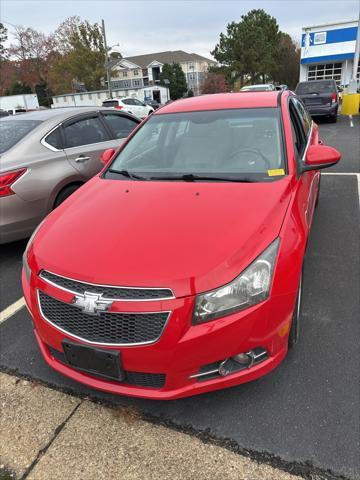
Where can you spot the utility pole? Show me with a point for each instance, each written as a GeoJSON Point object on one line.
{"type": "Point", "coordinates": [107, 66]}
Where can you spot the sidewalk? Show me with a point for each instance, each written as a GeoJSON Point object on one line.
{"type": "Point", "coordinates": [48, 435]}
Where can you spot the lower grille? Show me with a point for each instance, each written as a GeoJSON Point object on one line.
{"type": "Point", "coordinates": [136, 379]}
{"type": "Point", "coordinates": [106, 328]}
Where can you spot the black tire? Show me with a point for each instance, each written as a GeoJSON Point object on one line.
{"type": "Point", "coordinates": [333, 118]}
{"type": "Point", "coordinates": [295, 323]}
{"type": "Point", "coordinates": [64, 194]}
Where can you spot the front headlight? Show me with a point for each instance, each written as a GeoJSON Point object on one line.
{"type": "Point", "coordinates": [249, 288]}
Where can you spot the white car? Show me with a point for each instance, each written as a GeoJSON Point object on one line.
{"type": "Point", "coordinates": [129, 104]}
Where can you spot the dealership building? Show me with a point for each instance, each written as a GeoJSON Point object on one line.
{"type": "Point", "coordinates": [327, 52]}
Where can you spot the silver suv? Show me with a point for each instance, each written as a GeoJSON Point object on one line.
{"type": "Point", "coordinates": [46, 155]}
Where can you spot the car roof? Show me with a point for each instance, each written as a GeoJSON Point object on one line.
{"type": "Point", "coordinates": [259, 85]}
{"type": "Point", "coordinates": [317, 81]}
{"type": "Point", "coordinates": [221, 101]}
{"type": "Point", "coordinates": [55, 113]}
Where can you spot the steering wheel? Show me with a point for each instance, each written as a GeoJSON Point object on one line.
{"type": "Point", "coordinates": [254, 151]}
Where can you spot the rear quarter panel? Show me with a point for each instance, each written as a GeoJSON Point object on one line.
{"type": "Point", "coordinates": [47, 171]}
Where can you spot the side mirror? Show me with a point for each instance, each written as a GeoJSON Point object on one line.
{"type": "Point", "coordinates": [320, 156]}
{"type": "Point", "coordinates": [107, 155]}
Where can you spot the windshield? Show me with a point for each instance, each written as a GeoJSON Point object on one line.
{"type": "Point", "coordinates": [228, 143]}
{"type": "Point", "coordinates": [12, 131]}
{"type": "Point", "coordinates": [325, 86]}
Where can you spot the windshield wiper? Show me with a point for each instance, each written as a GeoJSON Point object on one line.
{"type": "Point", "coordinates": [127, 174]}
{"type": "Point", "coordinates": [189, 177]}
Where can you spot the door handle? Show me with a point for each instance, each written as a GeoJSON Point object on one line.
{"type": "Point", "coordinates": [82, 159]}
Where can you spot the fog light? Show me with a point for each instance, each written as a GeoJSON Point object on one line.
{"type": "Point", "coordinates": [242, 361]}
{"type": "Point", "coordinates": [236, 363]}
{"type": "Point", "coordinates": [242, 358]}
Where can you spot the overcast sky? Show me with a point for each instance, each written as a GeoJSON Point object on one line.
{"type": "Point", "coordinates": [191, 25]}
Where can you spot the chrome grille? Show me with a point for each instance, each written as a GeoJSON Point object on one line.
{"type": "Point", "coordinates": [107, 291]}
{"type": "Point", "coordinates": [107, 328]}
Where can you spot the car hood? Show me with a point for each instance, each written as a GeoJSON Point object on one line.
{"type": "Point", "coordinates": [187, 236]}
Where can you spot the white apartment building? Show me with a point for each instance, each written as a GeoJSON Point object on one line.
{"type": "Point", "coordinates": [144, 70]}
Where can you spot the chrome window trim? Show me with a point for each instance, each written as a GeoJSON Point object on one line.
{"type": "Point", "coordinates": [53, 149]}
{"type": "Point", "coordinates": [150, 342]}
{"type": "Point", "coordinates": [47, 145]}
{"type": "Point", "coordinates": [109, 286]}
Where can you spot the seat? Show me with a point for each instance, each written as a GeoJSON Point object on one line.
{"type": "Point", "coordinates": [200, 150]}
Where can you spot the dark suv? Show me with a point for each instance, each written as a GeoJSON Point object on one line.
{"type": "Point", "coordinates": [320, 97]}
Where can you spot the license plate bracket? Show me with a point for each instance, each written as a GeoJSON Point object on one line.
{"type": "Point", "coordinates": [96, 361]}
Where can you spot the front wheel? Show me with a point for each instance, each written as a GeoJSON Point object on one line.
{"type": "Point", "coordinates": [295, 324]}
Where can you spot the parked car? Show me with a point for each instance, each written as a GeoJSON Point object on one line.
{"type": "Point", "coordinates": [130, 105]}
{"type": "Point", "coordinates": [282, 87]}
{"type": "Point", "coordinates": [266, 87]}
{"type": "Point", "coordinates": [321, 98]}
{"type": "Point", "coordinates": [178, 269]}
{"type": "Point", "coordinates": [46, 155]}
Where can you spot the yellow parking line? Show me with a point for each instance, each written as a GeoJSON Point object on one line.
{"type": "Point", "coordinates": [12, 309]}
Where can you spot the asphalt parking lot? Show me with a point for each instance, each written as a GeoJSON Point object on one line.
{"type": "Point", "coordinates": [304, 416]}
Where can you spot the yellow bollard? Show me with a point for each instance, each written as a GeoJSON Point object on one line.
{"type": "Point", "coordinates": [350, 104]}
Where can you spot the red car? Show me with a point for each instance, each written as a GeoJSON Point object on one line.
{"type": "Point", "coordinates": [178, 269]}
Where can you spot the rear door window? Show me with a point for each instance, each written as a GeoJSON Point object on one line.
{"type": "Point", "coordinates": [84, 132]}
{"type": "Point", "coordinates": [12, 131]}
{"type": "Point", "coordinates": [119, 125]}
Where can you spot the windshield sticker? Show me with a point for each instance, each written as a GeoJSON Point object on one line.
{"type": "Point", "coordinates": [275, 172]}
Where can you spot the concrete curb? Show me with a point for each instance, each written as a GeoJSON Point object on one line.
{"type": "Point", "coordinates": [46, 434]}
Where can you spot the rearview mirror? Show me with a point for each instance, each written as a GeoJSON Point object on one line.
{"type": "Point", "coordinates": [320, 156]}
{"type": "Point", "coordinates": [107, 155]}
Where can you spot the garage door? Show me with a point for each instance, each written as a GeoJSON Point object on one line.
{"type": "Point", "coordinates": [324, 71]}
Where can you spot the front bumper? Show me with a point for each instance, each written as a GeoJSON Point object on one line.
{"type": "Point", "coordinates": [182, 350]}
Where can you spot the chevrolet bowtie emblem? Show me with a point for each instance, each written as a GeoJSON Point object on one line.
{"type": "Point", "coordinates": [92, 303]}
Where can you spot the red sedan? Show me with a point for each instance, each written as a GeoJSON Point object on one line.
{"type": "Point", "coordinates": [178, 269]}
